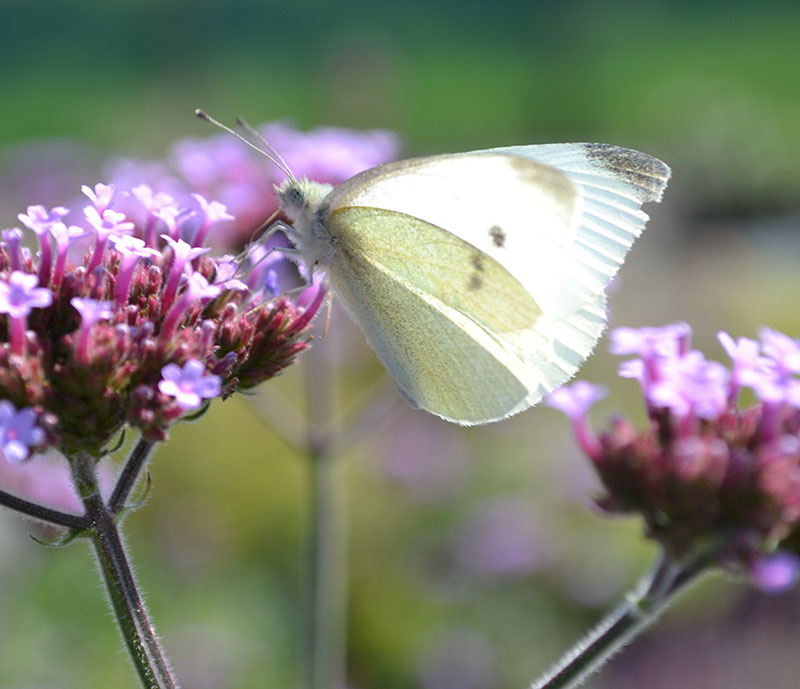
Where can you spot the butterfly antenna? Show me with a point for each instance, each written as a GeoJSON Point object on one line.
{"type": "Point", "coordinates": [276, 159]}
{"type": "Point", "coordinates": [257, 135]}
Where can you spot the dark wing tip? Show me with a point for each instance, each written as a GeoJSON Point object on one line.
{"type": "Point", "coordinates": [647, 174]}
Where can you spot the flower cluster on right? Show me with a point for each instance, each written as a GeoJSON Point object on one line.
{"type": "Point", "coordinates": [705, 474]}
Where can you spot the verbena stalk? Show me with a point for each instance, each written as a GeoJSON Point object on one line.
{"type": "Point", "coordinates": [643, 606]}
{"type": "Point", "coordinates": [325, 624]}
{"type": "Point", "coordinates": [126, 603]}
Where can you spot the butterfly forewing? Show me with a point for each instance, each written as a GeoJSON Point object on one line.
{"type": "Point", "coordinates": [520, 212]}
{"type": "Point", "coordinates": [613, 183]}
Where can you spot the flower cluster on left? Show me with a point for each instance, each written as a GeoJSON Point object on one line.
{"type": "Point", "coordinates": [121, 317]}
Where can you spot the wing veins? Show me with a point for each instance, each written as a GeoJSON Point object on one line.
{"type": "Point", "coordinates": [444, 267]}
{"type": "Point", "coordinates": [437, 302]}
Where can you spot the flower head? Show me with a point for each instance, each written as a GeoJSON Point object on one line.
{"type": "Point", "coordinates": [704, 471]}
{"type": "Point", "coordinates": [93, 359]}
{"type": "Point", "coordinates": [146, 323]}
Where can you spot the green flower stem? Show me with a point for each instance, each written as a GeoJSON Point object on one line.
{"type": "Point", "coordinates": [324, 563]}
{"type": "Point", "coordinates": [641, 608]}
{"type": "Point", "coordinates": [130, 472]}
{"type": "Point", "coordinates": [325, 626]}
{"type": "Point", "coordinates": [127, 605]}
{"type": "Point", "coordinates": [44, 514]}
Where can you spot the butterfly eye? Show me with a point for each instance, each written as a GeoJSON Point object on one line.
{"type": "Point", "coordinates": [295, 196]}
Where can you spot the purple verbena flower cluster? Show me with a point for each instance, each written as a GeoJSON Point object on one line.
{"type": "Point", "coordinates": [705, 473]}
{"type": "Point", "coordinates": [134, 328]}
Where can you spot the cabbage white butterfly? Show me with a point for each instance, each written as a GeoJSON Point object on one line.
{"type": "Point", "coordinates": [478, 278]}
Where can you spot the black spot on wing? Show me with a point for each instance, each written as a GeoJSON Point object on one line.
{"type": "Point", "coordinates": [497, 235]}
{"type": "Point", "coordinates": [475, 280]}
{"type": "Point", "coordinates": [648, 174]}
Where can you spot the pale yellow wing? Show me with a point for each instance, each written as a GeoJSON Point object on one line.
{"type": "Point", "coordinates": [551, 223]}
{"type": "Point", "coordinates": [613, 183]}
{"type": "Point", "coordinates": [449, 323]}
{"type": "Point", "coordinates": [522, 213]}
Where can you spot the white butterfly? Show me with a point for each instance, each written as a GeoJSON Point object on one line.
{"type": "Point", "coordinates": [478, 278]}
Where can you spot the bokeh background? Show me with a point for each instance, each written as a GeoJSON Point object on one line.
{"type": "Point", "coordinates": [474, 556]}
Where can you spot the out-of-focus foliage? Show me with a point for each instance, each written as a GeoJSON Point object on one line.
{"type": "Point", "coordinates": [473, 557]}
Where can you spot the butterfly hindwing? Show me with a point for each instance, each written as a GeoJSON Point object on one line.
{"type": "Point", "coordinates": [450, 324]}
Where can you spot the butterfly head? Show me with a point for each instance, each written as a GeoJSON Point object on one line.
{"type": "Point", "coordinates": [301, 198]}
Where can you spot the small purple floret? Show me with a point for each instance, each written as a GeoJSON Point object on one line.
{"type": "Point", "coordinates": [150, 200]}
{"type": "Point", "coordinates": [92, 311]}
{"type": "Point", "coordinates": [101, 196]}
{"type": "Point", "coordinates": [691, 385]}
{"type": "Point", "coordinates": [18, 432]}
{"type": "Point", "coordinates": [775, 572]}
{"type": "Point", "coordinates": [105, 225]}
{"type": "Point", "coordinates": [64, 236]}
{"type": "Point", "coordinates": [13, 238]}
{"type": "Point", "coordinates": [782, 349]}
{"type": "Point", "coordinates": [213, 212]}
{"type": "Point", "coordinates": [667, 340]}
{"type": "Point", "coordinates": [225, 276]}
{"type": "Point", "coordinates": [196, 289]}
{"type": "Point", "coordinates": [39, 219]}
{"type": "Point", "coordinates": [169, 216]}
{"type": "Point", "coordinates": [183, 255]}
{"type": "Point", "coordinates": [189, 385]}
{"type": "Point", "coordinates": [131, 250]}
{"type": "Point", "coordinates": [20, 295]}
{"type": "Point", "coordinates": [575, 400]}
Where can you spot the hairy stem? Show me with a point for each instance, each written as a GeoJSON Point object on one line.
{"type": "Point", "coordinates": [639, 610]}
{"type": "Point", "coordinates": [126, 604]}
{"type": "Point", "coordinates": [129, 475]}
{"type": "Point", "coordinates": [325, 635]}
{"type": "Point", "coordinates": [44, 514]}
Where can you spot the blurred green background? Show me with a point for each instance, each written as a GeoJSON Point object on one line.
{"type": "Point", "coordinates": [474, 558]}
